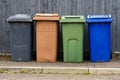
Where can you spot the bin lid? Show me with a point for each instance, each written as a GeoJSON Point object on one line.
{"type": "Point", "coordinates": [72, 18]}
{"type": "Point", "coordinates": [43, 17]}
{"type": "Point", "coordinates": [20, 18]}
{"type": "Point", "coordinates": [99, 18]}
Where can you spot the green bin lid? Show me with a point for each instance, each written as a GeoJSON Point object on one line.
{"type": "Point", "coordinates": [73, 18]}
{"type": "Point", "coordinates": [20, 18]}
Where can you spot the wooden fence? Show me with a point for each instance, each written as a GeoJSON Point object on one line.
{"type": "Point", "coordinates": [63, 7]}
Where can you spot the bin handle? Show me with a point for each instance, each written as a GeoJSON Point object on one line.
{"type": "Point", "coordinates": [74, 17]}
{"type": "Point", "coordinates": [70, 17]}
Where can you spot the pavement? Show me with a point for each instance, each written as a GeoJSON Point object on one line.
{"type": "Point", "coordinates": [18, 76]}
{"type": "Point", "coordinates": [102, 68]}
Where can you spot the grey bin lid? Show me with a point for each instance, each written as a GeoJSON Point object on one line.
{"type": "Point", "coordinates": [20, 18]}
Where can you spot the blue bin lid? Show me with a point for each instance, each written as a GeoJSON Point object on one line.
{"type": "Point", "coordinates": [99, 18]}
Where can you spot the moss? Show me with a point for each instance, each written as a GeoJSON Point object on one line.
{"type": "Point", "coordinates": [24, 70]}
{"type": "Point", "coordinates": [86, 72]}
{"type": "Point", "coordinates": [2, 70]}
{"type": "Point", "coordinates": [11, 72]}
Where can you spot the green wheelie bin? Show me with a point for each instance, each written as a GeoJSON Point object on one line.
{"type": "Point", "coordinates": [73, 31]}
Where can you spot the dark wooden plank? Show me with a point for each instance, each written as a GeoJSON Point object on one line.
{"type": "Point", "coordinates": [39, 6]}
{"type": "Point", "coordinates": [50, 6]}
{"type": "Point", "coordinates": [98, 6]}
{"type": "Point", "coordinates": [114, 26]}
{"type": "Point", "coordinates": [61, 6]}
{"type": "Point", "coordinates": [3, 37]}
{"type": "Point", "coordinates": [118, 25]}
{"type": "Point", "coordinates": [53, 6]}
{"type": "Point", "coordinates": [45, 6]}
{"type": "Point", "coordinates": [110, 8]}
{"type": "Point", "coordinates": [80, 8]}
{"type": "Point", "coordinates": [19, 6]}
{"type": "Point", "coordinates": [89, 7]}
{"type": "Point", "coordinates": [32, 6]}
{"type": "Point", "coordinates": [8, 12]}
{"type": "Point", "coordinates": [68, 6]}
{"type": "Point", "coordinates": [73, 7]}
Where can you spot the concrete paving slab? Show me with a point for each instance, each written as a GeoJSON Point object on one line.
{"type": "Point", "coordinates": [65, 70]}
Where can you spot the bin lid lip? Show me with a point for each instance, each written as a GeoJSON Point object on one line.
{"type": "Point", "coordinates": [45, 15]}
{"type": "Point", "coordinates": [99, 16]}
{"type": "Point", "coordinates": [72, 18]}
{"type": "Point", "coordinates": [20, 17]}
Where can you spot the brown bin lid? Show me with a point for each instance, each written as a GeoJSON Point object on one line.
{"type": "Point", "coordinates": [39, 16]}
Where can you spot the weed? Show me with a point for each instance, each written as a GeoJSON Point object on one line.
{"type": "Point", "coordinates": [86, 72]}
{"type": "Point", "coordinates": [24, 70]}
{"type": "Point", "coordinates": [1, 70]}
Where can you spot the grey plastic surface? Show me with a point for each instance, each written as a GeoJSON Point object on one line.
{"type": "Point", "coordinates": [21, 41]}
{"type": "Point", "coordinates": [20, 18]}
{"type": "Point", "coordinates": [21, 37]}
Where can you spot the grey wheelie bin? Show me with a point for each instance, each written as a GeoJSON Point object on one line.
{"type": "Point", "coordinates": [20, 37]}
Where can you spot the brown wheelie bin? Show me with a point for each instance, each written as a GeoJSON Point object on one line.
{"type": "Point", "coordinates": [46, 37]}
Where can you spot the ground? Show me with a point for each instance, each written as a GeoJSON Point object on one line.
{"type": "Point", "coordinates": [19, 76]}
{"type": "Point", "coordinates": [8, 70]}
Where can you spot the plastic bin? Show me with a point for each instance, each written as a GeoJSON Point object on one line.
{"type": "Point", "coordinates": [46, 37]}
{"type": "Point", "coordinates": [99, 36]}
{"type": "Point", "coordinates": [73, 30]}
{"type": "Point", "coordinates": [20, 37]}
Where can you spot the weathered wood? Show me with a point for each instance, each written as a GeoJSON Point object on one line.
{"type": "Point", "coordinates": [3, 26]}
{"type": "Point", "coordinates": [110, 8]}
{"type": "Point", "coordinates": [63, 7]}
{"type": "Point", "coordinates": [118, 26]}
{"type": "Point", "coordinates": [98, 6]}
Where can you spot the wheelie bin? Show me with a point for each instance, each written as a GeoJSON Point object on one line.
{"type": "Point", "coordinates": [99, 36]}
{"type": "Point", "coordinates": [72, 32]}
{"type": "Point", "coordinates": [46, 36]}
{"type": "Point", "coordinates": [20, 37]}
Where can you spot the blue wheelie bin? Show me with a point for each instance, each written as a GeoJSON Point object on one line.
{"type": "Point", "coordinates": [99, 37]}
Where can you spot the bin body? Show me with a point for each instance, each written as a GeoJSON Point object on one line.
{"type": "Point", "coordinates": [72, 30]}
{"type": "Point", "coordinates": [46, 37]}
{"type": "Point", "coordinates": [20, 37]}
{"type": "Point", "coordinates": [99, 36]}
